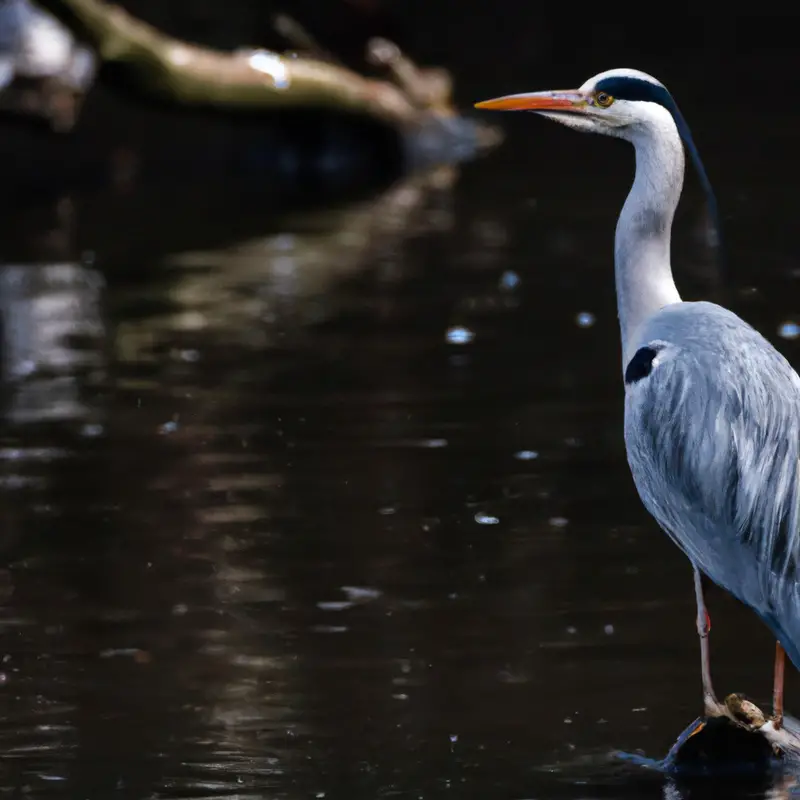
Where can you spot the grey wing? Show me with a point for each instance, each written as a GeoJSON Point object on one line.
{"type": "Point", "coordinates": [713, 436]}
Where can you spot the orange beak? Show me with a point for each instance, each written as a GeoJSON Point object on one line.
{"type": "Point", "coordinates": [571, 100]}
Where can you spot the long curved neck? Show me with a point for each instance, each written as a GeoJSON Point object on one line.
{"type": "Point", "coordinates": [642, 244]}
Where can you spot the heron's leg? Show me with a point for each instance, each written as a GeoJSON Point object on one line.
{"type": "Point", "coordinates": [777, 686]}
{"type": "Point", "coordinates": [712, 705]}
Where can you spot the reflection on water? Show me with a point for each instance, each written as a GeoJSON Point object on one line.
{"type": "Point", "coordinates": [52, 323]}
{"type": "Point", "coordinates": [53, 338]}
{"type": "Point", "coordinates": [336, 504]}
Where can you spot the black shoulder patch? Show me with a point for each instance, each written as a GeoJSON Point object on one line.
{"type": "Point", "coordinates": [641, 365]}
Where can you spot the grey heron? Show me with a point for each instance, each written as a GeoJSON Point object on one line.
{"type": "Point", "coordinates": [712, 409]}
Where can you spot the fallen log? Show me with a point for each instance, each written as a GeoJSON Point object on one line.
{"type": "Point", "coordinates": [739, 741]}
{"type": "Point", "coordinates": [379, 126]}
{"type": "Point", "coordinates": [258, 79]}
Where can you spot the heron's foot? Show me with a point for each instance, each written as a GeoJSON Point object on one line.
{"type": "Point", "coordinates": [712, 707]}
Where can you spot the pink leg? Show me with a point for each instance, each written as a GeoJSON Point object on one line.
{"type": "Point", "coordinates": [710, 702]}
{"type": "Point", "coordinates": [777, 686]}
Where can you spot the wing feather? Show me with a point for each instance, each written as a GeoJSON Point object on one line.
{"type": "Point", "coordinates": [713, 440]}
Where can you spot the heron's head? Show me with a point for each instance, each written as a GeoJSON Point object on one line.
{"type": "Point", "coordinates": [625, 103]}
{"type": "Point", "coordinates": [619, 102]}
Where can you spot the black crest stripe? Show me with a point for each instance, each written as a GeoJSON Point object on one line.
{"type": "Point", "coordinates": [625, 88]}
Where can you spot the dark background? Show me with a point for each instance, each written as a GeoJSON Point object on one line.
{"type": "Point", "coordinates": [269, 530]}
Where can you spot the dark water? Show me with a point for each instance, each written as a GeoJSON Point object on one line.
{"type": "Point", "coordinates": [268, 533]}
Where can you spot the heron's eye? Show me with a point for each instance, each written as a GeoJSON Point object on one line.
{"type": "Point", "coordinates": [603, 99]}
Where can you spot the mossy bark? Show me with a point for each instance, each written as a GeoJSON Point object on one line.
{"type": "Point", "coordinates": [185, 73]}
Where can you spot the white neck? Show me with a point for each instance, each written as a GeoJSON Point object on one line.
{"type": "Point", "coordinates": [642, 244]}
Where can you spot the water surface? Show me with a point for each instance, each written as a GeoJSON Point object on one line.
{"type": "Point", "coordinates": [335, 504]}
